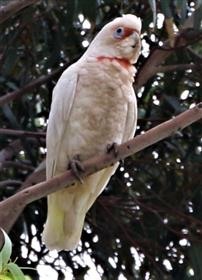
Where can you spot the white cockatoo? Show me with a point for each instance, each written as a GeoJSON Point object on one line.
{"type": "Point", "coordinates": [93, 105]}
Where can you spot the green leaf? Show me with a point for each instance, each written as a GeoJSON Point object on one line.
{"type": "Point", "coordinates": [15, 271]}
{"type": "Point", "coordinates": [6, 250]}
{"type": "Point", "coordinates": [1, 263]}
{"type": "Point", "coordinates": [88, 8]}
{"type": "Point", "coordinates": [11, 116]}
{"type": "Point", "coordinates": [195, 253]}
{"type": "Point", "coordinates": [10, 62]}
{"type": "Point", "coordinates": [5, 277]}
{"type": "Point", "coordinates": [165, 7]}
{"type": "Point", "coordinates": [152, 4]}
{"type": "Point", "coordinates": [27, 277]}
{"type": "Point", "coordinates": [182, 7]}
{"type": "Point", "coordinates": [173, 102]}
{"type": "Point", "coordinates": [71, 11]}
{"type": "Point", "coordinates": [198, 17]}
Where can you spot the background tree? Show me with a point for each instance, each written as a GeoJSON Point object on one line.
{"type": "Point", "coordinates": [148, 222]}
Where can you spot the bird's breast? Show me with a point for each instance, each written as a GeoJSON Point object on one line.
{"type": "Point", "coordinates": [100, 109]}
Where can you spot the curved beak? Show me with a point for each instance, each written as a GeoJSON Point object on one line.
{"type": "Point", "coordinates": [136, 38]}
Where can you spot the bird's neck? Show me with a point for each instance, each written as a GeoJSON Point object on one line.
{"type": "Point", "coordinates": [125, 63]}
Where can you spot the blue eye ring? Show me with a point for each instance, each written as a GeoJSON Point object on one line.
{"type": "Point", "coordinates": [119, 32]}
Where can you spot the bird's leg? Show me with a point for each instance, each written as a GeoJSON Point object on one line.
{"type": "Point", "coordinates": [77, 167]}
{"type": "Point", "coordinates": [113, 148]}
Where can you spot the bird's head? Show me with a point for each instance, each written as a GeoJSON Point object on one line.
{"type": "Point", "coordinates": [119, 39]}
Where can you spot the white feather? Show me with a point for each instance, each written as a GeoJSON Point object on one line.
{"type": "Point", "coordinates": [93, 105]}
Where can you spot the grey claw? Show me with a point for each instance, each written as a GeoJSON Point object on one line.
{"type": "Point", "coordinates": [77, 168]}
{"type": "Point", "coordinates": [113, 148]}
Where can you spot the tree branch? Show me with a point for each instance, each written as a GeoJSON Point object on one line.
{"type": "Point", "coordinates": [36, 177]}
{"type": "Point", "coordinates": [13, 7]}
{"type": "Point", "coordinates": [16, 164]}
{"type": "Point", "coordinates": [12, 149]}
{"type": "Point", "coordinates": [158, 56]}
{"type": "Point", "coordinates": [10, 96]}
{"type": "Point", "coordinates": [8, 182]}
{"type": "Point", "coordinates": [8, 152]}
{"type": "Point", "coordinates": [15, 132]}
{"type": "Point", "coordinates": [175, 67]}
{"type": "Point", "coordinates": [15, 203]}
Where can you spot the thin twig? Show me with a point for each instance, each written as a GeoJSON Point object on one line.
{"type": "Point", "coordinates": [159, 55]}
{"type": "Point", "coordinates": [13, 149]}
{"type": "Point", "coordinates": [5, 131]}
{"type": "Point", "coordinates": [33, 85]}
{"type": "Point", "coordinates": [36, 177]}
{"type": "Point", "coordinates": [8, 152]}
{"type": "Point", "coordinates": [13, 7]}
{"type": "Point", "coordinates": [16, 164]}
{"type": "Point", "coordinates": [6, 183]}
{"type": "Point", "coordinates": [175, 67]}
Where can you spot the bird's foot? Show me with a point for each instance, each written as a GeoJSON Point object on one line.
{"type": "Point", "coordinates": [77, 167]}
{"type": "Point", "coordinates": [113, 148]}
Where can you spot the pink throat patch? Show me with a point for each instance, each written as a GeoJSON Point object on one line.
{"type": "Point", "coordinates": [122, 61]}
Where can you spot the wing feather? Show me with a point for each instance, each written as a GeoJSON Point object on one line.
{"type": "Point", "coordinates": [131, 119]}
{"type": "Point", "coordinates": [63, 98]}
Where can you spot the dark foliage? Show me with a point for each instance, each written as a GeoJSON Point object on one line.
{"type": "Point", "coordinates": [147, 224]}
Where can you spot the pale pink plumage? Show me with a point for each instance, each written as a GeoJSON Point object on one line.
{"type": "Point", "coordinates": [93, 105]}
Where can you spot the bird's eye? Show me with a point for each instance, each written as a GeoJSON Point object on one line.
{"type": "Point", "coordinates": [119, 32]}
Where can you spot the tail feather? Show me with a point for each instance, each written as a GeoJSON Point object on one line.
{"type": "Point", "coordinates": [67, 210]}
